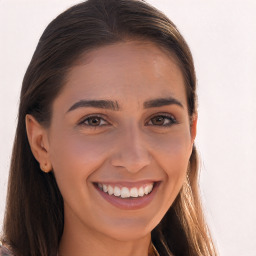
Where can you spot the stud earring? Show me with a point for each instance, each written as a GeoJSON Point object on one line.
{"type": "Point", "coordinates": [45, 168]}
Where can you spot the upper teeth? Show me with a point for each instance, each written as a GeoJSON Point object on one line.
{"type": "Point", "coordinates": [125, 192]}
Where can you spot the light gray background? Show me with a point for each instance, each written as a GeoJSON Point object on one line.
{"type": "Point", "coordinates": [222, 37]}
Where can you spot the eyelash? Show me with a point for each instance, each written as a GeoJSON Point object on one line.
{"type": "Point", "coordinates": [92, 117]}
{"type": "Point", "coordinates": [171, 120]}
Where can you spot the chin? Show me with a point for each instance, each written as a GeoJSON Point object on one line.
{"type": "Point", "coordinates": [129, 229]}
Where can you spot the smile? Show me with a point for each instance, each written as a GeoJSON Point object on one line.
{"type": "Point", "coordinates": [128, 196]}
{"type": "Point", "coordinates": [125, 192]}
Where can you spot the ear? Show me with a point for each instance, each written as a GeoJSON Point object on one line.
{"type": "Point", "coordinates": [38, 140]}
{"type": "Point", "coordinates": [193, 127]}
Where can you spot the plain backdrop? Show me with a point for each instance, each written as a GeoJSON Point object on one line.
{"type": "Point", "coordinates": [222, 38]}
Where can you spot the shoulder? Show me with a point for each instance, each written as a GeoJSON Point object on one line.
{"type": "Point", "coordinates": [4, 251]}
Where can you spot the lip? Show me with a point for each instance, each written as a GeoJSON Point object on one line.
{"type": "Point", "coordinates": [129, 203]}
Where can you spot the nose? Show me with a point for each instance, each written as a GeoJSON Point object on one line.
{"type": "Point", "coordinates": [131, 152]}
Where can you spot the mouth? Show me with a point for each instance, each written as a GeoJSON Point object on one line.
{"type": "Point", "coordinates": [128, 196]}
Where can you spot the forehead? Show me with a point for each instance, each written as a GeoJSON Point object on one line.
{"type": "Point", "coordinates": [132, 70]}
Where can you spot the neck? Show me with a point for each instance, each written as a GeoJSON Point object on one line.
{"type": "Point", "coordinates": [75, 243]}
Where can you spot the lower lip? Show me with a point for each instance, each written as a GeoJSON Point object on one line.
{"type": "Point", "coordinates": [132, 203]}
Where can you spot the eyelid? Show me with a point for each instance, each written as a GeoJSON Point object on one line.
{"type": "Point", "coordinates": [82, 120]}
{"type": "Point", "coordinates": [165, 115]}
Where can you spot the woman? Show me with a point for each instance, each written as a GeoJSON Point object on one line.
{"type": "Point", "coordinates": [104, 161]}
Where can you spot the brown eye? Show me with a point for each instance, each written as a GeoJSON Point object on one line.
{"type": "Point", "coordinates": [94, 121]}
{"type": "Point", "coordinates": [162, 120]}
{"type": "Point", "coordinates": [158, 120]}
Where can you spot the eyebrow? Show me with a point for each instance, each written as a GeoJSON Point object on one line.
{"type": "Point", "coordinates": [162, 102]}
{"type": "Point", "coordinates": [104, 104]}
{"type": "Point", "coordinates": [113, 105]}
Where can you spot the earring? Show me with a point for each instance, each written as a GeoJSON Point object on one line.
{"type": "Point", "coordinates": [45, 168]}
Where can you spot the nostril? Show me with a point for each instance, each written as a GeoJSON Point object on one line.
{"type": "Point", "coordinates": [131, 164]}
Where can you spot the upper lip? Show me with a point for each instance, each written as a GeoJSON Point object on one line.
{"type": "Point", "coordinates": [128, 184]}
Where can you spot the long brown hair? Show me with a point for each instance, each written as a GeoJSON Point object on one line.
{"type": "Point", "coordinates": [34, 218]}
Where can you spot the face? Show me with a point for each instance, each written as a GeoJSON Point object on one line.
{"type": "Point", "coordinates": [120, 140]}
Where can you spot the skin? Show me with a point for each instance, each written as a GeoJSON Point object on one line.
{"type": "Point", "coordinates": [126, 145]}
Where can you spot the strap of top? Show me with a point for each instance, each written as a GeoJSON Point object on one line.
{"type": "Point", "coordinates": [4, 251]}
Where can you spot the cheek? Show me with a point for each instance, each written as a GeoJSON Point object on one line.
{"type": "Point", "coordinates": [74, 157]}
{"type": "Point", "coordinates": [172, 155]}
{"type": "Point", "coordinates": [174, 150]}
